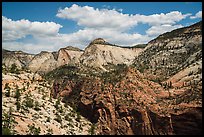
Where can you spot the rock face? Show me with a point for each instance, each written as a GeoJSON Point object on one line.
{"type": "Point", "coordinates": [172, 52]}
{"type": "Point", "coordinates": [15, 57]}
{"type": "Point", "coordinates": [100, 53]}
{"type": "Point", "coordinates": [45, 115]}
{"type": "Point", "coordinates": [159, 94]}
{"type": "Point", "coordinates": [132, 105]}
{"type": "Point", "coordinates": [47, 61]}
{"type": "Point", "coordinates": [162, 90]}
{"type": "Point", "coordinates": [43, 61]}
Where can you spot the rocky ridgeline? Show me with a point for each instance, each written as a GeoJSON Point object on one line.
{"type": "Point", "coordinates": [153, 89]}
{"type": "Point", "coordinates": [172, 52]}
{"type": "Point", "coordinates": [20, 59]}
{"type": "Point", "coordinates": [44, 61]}
{"type": "Point", "coordinates": [26, 99]}
{"type": "Point", "coordinates": [165, 93]}
{"type": "Point", "coordinates": [131, 104]}
{"type": "Point", "coordinates": [100, 53]}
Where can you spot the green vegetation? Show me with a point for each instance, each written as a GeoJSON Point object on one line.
{"type": "Point", "coordinates": [58, 118]}
{"type": "Point", "coordinates": [48, 119]}
{"type": "Point", "coordinates": [140, 46]}
{"type": "Point", "coordinates": [4, 70]}
{"type": "Point", "coordinates": [7, 93]}
{"type": "Point", "coordinates": [37, 106]}
{"type": "Point", "coordinates": [8, 122]}
{"type": "Point", "coordinates": [57, 103]}
{"type": "Point", "coordinates": [28, 102]}
{"type": "Point", "coordinates": [67, 117]}
{"type": "Point", "coordinates": [167, 85]}
{"type": "Point", "coordinates": [115, 75]}
{"type": "Point", "coordinates": [32, 130]}
{"type": "Point", "coordinates": [17, 94]}
{"type": "Point", "coordinates": [78, 117]}
{"type": "Point", "coordinates": [14, 69]}
{"type": "Point", "coordinates": [18, 105]}
{"type": "Point", "coordinates": [66, 70]}
{"type": "Point", "coordinates": [60, 109]}
{"type": "Point", "coordinates": [49, 131]}
{"type": "Point", "coordinates": [142, 68]}
{"type": "Point", "coordinates": [91, 130]}
{"type": "Point", "coordinates": [7, 88]}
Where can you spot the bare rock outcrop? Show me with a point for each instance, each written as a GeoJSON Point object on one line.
{"type": "Point", "coordinates": [100, 53]}
{"type": "Point", "coordinates": [48, 61]}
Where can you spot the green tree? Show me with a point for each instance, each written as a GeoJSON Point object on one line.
{"type": "Point", "coordinates": [7, 88]}
{"type": "Point", "coordinates": [32, 130]}
{"type": "Point", "coordinates": [7, 93]}
{"type": "Point", "coordinates": [17, 93]}
{"type": "Point", "coordinates": [92, 129]}
{"type": "Point", "coordinates": [28, 101]}
{"type": "Point", "coordinates": [78, 117]}
{"type": "Point", "coordinates": [49, 131]}
{"type": "Point", "coordinates": [14, 69]}
{"type": "Point", "coordinates": [57, 103]}
{"type": "Point", "coordinates": [37, 106]}
{"type": "Point", "coordinates": [8, 122]}
{"type": "Point", "coordinates": [18, 105]}
{"type": "Point", "coordinates": [58, 118]}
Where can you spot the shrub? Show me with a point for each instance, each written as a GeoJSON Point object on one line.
{"type": "Point", "coordinates": [8, 122]}
{"type": "Point", "coordinates": [28, 101]}
{"type": "Point", "coordinates": [49, 131]}
{"type": "Point", "coordinates": [78, 117]}
{"type": "Point", "coordinates": [7, 93]}
{"type": "Point", "coordinates": [43, 97]}
{"type": "Point", "coordinates": [7, 86]}
{"type": "Point", "coordinates": [48, 119]}
{"type": "Point", "coordinates": [6, 131]}
{"type": "Point", "coordinates": [57, 103]}
{"type": "Point", "coordinates": [37, 107]}
{"type": "Point", "coordinates": [67, 117]}
{"type": "Point", "coordinates": [58, 118]}
{"type": "Point", "coordinates": [14, 69]}
{"type": "Point", "coordinates": [32, 130]}
{"type": "Point", "coordinates": [91, 130]}
{"type": "Point", "coordinates": [50, 98]}
{"type": "Point", "coordinates": [17, 94]}
{"type": "Point", "coordinates": [60, 109]}
{"type": "Point", "coordinates": [18, 105]}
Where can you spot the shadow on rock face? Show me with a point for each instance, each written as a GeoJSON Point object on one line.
{"type": "Point", "coordinates": [189, 123]}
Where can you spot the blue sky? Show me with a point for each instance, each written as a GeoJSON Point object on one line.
{"type": "Point", "coordinates": [36, 26]}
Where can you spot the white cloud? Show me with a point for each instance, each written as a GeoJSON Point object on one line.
{"type": "Point", "coordinates": [157, 30]}
{"type": "Point", "coordinates": [95, 18]}
{"type": "Point", "coordinates": [112, 19]}
{"type": "Point", "coordinates": [12, 30]}
{"type": "Point", "coordinates": [197, 15]}
{"type": "Point", "coordinates": [158, 19]}
{"type": "Point", "coordinates": [110, 24]}
{"type": "Point", "coordinates": [83, 37]}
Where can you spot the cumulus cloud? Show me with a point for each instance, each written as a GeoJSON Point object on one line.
{"type": "Point", "coordinates": [157, 30]}
{"type": "Point", "coordinates": [13, 30]}
{"type": "Point", "coordinates": [97, 18]}
{"type": "Point", "coordinates": [83, 37]}
{"type": "Point", "coordinates": [158, 19]}
{"type": "Point", "coordinates": [197, 15]}
{"type": "Point", "coordinates": [110, 24]}
{"type": "Point", "coordinates": [112, 19]}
